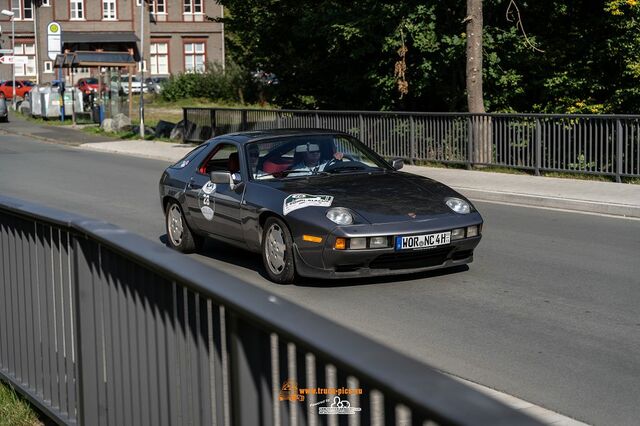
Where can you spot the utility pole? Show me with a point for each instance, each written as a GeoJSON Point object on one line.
{"type": "Point", "coordinates": [142, 11]}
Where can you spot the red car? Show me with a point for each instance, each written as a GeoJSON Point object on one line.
{"type": "Point", "coordinates": [88, 85]}
{"type": "Point", "coordinates": [22, 88]}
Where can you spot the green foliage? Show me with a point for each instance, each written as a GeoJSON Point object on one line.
{"type": "Point", "coordinates": [216, 84]}
{"type": "Point", "coordinates": [333, 54]}
{"type": "Point", "coordinates": [15, 411]}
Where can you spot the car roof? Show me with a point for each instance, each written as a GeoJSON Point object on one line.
{"type": "Point", "coordinates": [252, 136]}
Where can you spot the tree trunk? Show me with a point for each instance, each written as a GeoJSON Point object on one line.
{"type": "Point", "coordinates": [481, 126]}
{"type": "Point", "coordinates": [475, 98]}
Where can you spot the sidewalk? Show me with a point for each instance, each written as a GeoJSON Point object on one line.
{"type": "Point", "coordinates": [570, 194]}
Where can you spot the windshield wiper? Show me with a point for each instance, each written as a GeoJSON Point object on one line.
{"type": "Point", "coordinates": [347, 169]}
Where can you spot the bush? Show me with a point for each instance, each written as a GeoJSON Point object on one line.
{"type": "Point", "coordinates": [216, 84]}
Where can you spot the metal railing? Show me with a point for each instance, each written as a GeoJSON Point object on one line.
{"type": "Point", "coordinates": [101, 327]}
{"type": "Point", "coordinates": [606, 145]}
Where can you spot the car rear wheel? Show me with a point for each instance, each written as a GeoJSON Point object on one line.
{"type": "Point", "coordinates": [277, 251]}
{"type": "Point", "coordinates": [179, 235]}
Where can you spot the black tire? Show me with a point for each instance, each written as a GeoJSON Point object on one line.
{"type": "Point", "coordinates": [279, 264]}
{"type": "Point", "coordinates": [187, 241]}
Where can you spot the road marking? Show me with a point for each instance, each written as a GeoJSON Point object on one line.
{"type": "Point", "coordinates": [539, 413]}
{"type": "Point", "coordinates": [528, 206]}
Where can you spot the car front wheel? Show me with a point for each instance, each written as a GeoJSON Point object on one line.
{"type": "Point", "coordinates": [277, 251]}
{"type": "Point", "coordinates": [179, 235]}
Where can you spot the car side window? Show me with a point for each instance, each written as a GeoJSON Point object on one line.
{"type": "Point", "coordinates": [223, 158]}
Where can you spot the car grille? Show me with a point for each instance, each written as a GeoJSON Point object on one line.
{"type": "Point", "coordinates": [412, 259]}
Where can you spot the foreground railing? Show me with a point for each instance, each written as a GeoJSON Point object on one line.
{"type": "Point", "coordinates": [101, 327]}
{"type": "Point", "coordinates": [588, 144]}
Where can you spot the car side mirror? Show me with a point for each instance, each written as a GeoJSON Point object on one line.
{"type": "Point", "coordinates": [220, 177]}
{"type": "Point", "coordinates": [397, 163]}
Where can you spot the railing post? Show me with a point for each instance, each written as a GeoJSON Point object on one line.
{"type": "Point", "coordinates": [538, 157]}
{"type": "Point", "coordinates": [212, 121]}
{"type": "Point", "coordinates": [89, 410]}
{"type": "Point", "coordinates": [184, 120]}
{"type": "Point", "coordinates": [279, 117]}
{"type": "Point", "coordinates": [317, 120]}
{"type": "Point", "coordinates": [618, 151]}
{"type": "Point", "coordinates": [412, 153]}
{"type": "Point", "coordinates": [361, 130]}
{"type": "Point", "coordinates": [252, 397]}
{"type": "Point", "coordinates": [244, 125]}
{"type": "Point", "coordinates": [470, 143]}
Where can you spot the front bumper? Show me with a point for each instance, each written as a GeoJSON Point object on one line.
{"type": "Point", "coordinates": [326, 262]}
{"type": "Point", "coordinates": [369, 263]}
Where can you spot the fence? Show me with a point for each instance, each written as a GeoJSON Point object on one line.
{"type": "Point", "coordinates": [606, 145]}
{"type": "Point", "coordinates": [101, 327]}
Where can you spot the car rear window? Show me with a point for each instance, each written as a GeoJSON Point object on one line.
{"type": "Point", "coordinates": [189, 157]}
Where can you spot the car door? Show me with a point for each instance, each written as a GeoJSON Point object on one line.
{"type": "Point", "coordinates": [215, 208]}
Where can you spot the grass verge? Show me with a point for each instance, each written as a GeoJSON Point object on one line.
{"type": "Point", "coordinates": [14, 410]}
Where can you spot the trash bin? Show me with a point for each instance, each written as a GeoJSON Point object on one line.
{"type": "Point", "coordinates": [95, 114]}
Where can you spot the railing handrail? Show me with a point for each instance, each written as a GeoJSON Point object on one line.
{"type": "Point", "coordinates": [396, 374]}
{"type": "Point", "coordinates": [422, 113]}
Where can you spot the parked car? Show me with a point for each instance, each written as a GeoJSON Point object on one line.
{"type": "Point", "coordinates": [4, 109]}
{"type": "Point", "coordinates": [315, 203]}
{"type": "Point", "coordinates": [155, 83]}
{"type": "Point", "coordinates": [88, 85]}
{"type": "Point", "coordinates": [135, 84]}
{"type": "Point", "coordinates": [22, 88]}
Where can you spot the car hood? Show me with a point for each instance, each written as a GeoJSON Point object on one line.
{"type": "Point", "coordinates": [379, 197]}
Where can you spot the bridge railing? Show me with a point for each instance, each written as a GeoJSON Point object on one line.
{"type": "Point", "coordinates": [607, 145]}
{"type": "Point", "coordinates": [101, 327]}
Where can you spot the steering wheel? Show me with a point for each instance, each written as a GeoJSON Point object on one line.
{"type": "Point", "coordinates": [334, 162]}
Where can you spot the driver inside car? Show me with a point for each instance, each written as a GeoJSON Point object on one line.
{"type": "Point", "coordinates": [310, 159]}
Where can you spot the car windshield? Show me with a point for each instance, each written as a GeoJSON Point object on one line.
{"type": "Point", "coordinates": [91, 81]}
{"type": "Point", "coordinates": [311, 155]}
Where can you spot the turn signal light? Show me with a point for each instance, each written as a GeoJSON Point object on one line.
{"type": "Point", "coordinates": [472, 231]}
{"type": "Point", "coordinates": [312, 238]}
{"type": "Point", "coordinates": [341, 244]}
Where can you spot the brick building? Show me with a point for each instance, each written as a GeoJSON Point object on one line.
{"type": "Point", "coordinates": [179, 35]}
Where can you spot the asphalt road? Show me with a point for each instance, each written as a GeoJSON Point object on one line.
{"type": "Point", "coordinates": [548, 312]}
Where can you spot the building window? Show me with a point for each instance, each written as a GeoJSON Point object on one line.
{"type": "Point", "coordinates": [109, 10]}
{"type": "Point", "coordinates": [48, 67]}
{"type": "Point", "coordinates": [77, 9]}
{"type": "Point", "coordinates": [159, 58]}
{"type": "Point", "coordinates": [194, 57]}
{"type": "Point", "coordinates": [22, 9]}
{"type": "Point", "coordinates": [159, 7]}
{"type": "Point", "coordinates": [192, 10]}
{"type": "Point", "coordinates": [46, 3]}
{"type": "Point", "coordinates": [28, 50]}
{"type": "Point", "coordinates": [159, 10]}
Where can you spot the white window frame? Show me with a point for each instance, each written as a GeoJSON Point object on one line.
{"type": "Point", "coordinates": [19, 9]}
{"type": "Point", "coordinates": [28, 50]}
{"type": "Point", "coordinates": [156, 53]}
{"type": "Point", "coordinates": [48, 67]}
{"type": "Point", "coordinates": [114, 16]}
{"type": "Point", "coordinates": [46, 3]}
{"type": "Point", "coordinates": [189, 12]}
{"type": "Point", "coordinates": [156, 6]}
{"type": "Point", "coordinates": [78, 11]}
{"type": "Point", "coordinates": [191, 50]}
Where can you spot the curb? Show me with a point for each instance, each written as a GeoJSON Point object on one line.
{"type": "Point", "coordinates": [583, 206]}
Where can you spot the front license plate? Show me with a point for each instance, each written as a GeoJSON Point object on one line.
{"type": "Point", "coordinates": [422, 241]}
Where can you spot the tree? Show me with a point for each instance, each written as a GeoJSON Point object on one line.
{"type": "Point", "coordinates": [475, 95]}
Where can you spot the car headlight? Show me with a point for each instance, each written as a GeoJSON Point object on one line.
{"type": "Point", "coordinates": [340, 215]}
{"type": "Point", "coordinates": [458, 205]}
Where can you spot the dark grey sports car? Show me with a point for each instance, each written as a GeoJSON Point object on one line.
{"type": "Point", "coordinates": [315, 203]}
